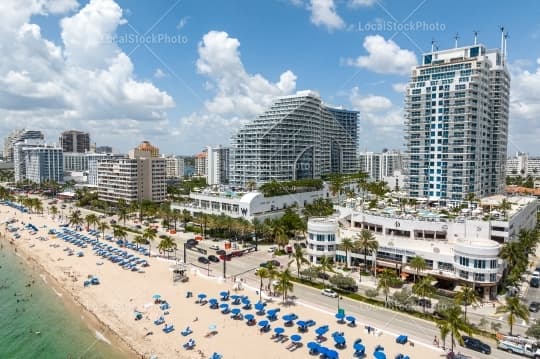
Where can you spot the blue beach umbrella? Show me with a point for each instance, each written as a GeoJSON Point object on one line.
{"type": "Point", "coordinates": [213, 301]}
{"type": "Point", "coordinates": [313, 346]}
{"type": "Point", "coordinates": [156, 296]}
{"type": "Point", "coordinates": [296, 338]}
{"type": "Point", "coordinates": [332, 354]}
{"type": "Point", "coordinates": [263, 323]}
{"type": "Point", "coordinates": [235, 311]}
{"type": "Point", "coordinates": [324, 351]}
{"type": "Point", "coordinates": [301, 323]}
{"type": "Point", "coordinates": [212, 327]}
{"type": "Point", "coordinates": [379, 354]}
{"type": "Point", "coordinates": [245, 300]}
{"type": "Point", "coordinates": [339, 339]}
{"type": "Point", "coordinates": [351, 318]}
{"type": "Point", "coordinates": [279, 330]}
{"type": "Point", "coordinates": [287, 317]}
{"type": "Point", "coordinates": [202, 296]}
{"type": "Point", "coordinates": [340, 316]}
{"type": "Point", "coordinates": [249, 317]}
{"type": "Point", "coordinates": [223, 294]}
{"type": "Point", "coordinates": [259, 306]}
{"type": "Point", "coordinates": [321, 330]}
{"type": "Point", "coordinates": [359, 347]}
{"type": "Point", "coordinates": [224, 306]}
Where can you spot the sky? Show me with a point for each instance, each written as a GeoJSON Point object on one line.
{"type": "Point", "coordinates": [184, 74]}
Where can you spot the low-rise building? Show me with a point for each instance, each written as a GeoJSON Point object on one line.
{"type": "Point", "coordinates": [462, 249]}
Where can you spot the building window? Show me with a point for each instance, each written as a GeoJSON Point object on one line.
{"type": "Point", "coordinates": [493, 277]}
{"type": "Point", "coordinates": [464, 274]}
{"type": "Point", "coordinates": [331, 237]}
{"type": "Point", "coordinates": [464, 261]}
{"type": "Point", "coordinates": [320, 248]}
{"type": "Point", "coordinates": [320, 237]}
{"type": "Point", "coordinates": [479, 277]}
{"type": "Point", "coordinates": [493, 263]}
{"type": "Point", "coordinates": [478, 263]}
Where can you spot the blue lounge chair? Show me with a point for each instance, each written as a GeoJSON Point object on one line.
{"type": "Point", "coordinates": [187, 331]}
{"type": "Point", "coordinates": [216, 356]}
{"type": "Point", "coordinates": [159, 321]}
{"type": "Point", "coordinates": [190, 344]}
{"type": "Point", "coordinates": [168, 328]}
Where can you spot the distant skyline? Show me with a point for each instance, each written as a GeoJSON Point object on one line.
{"type": "Point", "coordinates": [184, 76]}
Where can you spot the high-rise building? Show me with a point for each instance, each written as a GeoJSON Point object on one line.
{"type": "Point", "coordinates": [457, 124]}
{"type": "Point", "coordinates": [175, 167]}
{"type": "Point", "coordinates": [140, 177]}
{"type": "Point", "coordinates": [38, 162]}
{"type": "Point", "coordinates": [523, 165]}
{"type": "Point", "coordinates": [378, 165]}
{"type": "Point", "coordinates": [75, 141]}
{"type": "Point", "coordinates": [104, 149]}
{"type": "Point", "coordinates": [93, 159]}
{"type": "Point", "coordinates": [201, 163]}
{"type": "Point", "coordinates": [217, 165]}
{"type": "Point", "coordinates": [19, 136]}
{"type": "Point", "coordinates": [297, 137]}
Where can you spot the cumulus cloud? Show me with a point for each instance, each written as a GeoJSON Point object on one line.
{"type": "Point", "coordinates": [361, 3]}
{"type": "Point", "coordinates": [238, 95]}
{"type": "Point", "coordinates": [399, 87]}
{"type": "Point", "coordinates": [323, 13]}
{"type": "Point", "coordinates": [159, 73]}
{"type": "Point", "coordinates": [384, 57]}
{"type": "Point", "coordinates": [84, 78]}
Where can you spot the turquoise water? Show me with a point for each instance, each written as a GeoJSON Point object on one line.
{"type": "Point", "coordinates": [34, 321]}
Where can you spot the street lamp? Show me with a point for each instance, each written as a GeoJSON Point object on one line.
{"type": "Point", "coordinates": [338, 299]}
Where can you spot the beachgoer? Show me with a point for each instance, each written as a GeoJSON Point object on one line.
{"type": "Point", "coordinates": [196, 319]}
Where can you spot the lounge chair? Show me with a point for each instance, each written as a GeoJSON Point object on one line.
{"type": "Point", "coordinates": [168, 328]}
{"type": "Point", "coordinates": [187, 331]}
{"type": "Point", "coordinates": [159, 321]}
{"type": "Point", "coordinates": [189, 345]}
{"type": "Point", "coordinates": [216, 356]}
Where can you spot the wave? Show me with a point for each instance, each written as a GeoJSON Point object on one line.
{"type": "Point", "coordinates": [57, 293]}
{"type": "Point", "coordinates": [102, 337]}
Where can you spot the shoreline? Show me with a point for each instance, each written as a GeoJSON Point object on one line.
{"type": "Point", "coordinates": [71, 302]}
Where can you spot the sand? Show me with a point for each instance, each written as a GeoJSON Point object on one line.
{"type": "Point", "coordinates": [121, 292]}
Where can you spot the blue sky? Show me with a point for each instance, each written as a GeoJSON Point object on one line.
{"type": "Point", "coordinates": [184, 74]}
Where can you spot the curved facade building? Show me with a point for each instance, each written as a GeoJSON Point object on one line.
{"type": "Point", "coordinates": [297, 137]}
{"type": "Point", "coordinates": [321, 240]}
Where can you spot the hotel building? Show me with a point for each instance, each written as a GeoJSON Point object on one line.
{"type": "Point", "coordinates": [37, 162]}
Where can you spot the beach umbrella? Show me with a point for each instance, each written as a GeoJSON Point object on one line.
{"type": "Point", "coordinates": [235, 311]}
{"type": "Point", "coordinates": [249, 317]}
{"type": "Point", "coordinates": [324, 351]}
{"type": "Point", "coordinates": [156, 296]}
{"type": "Point", "coordinates": [296, 338]}
{"type": "Point", "coordinates": [351, 318]}
{"type": "Point", "coordinates": [279, 330]}
{"type": "Point", "coordinates": [321, 330]}
{"type": "Point", "coordinates": [359, 347]}
{"type": "Point", "coordinates": [212, 327]}
{"type": "Point", "coordinates": [223, 294]}
{"type": "Point", "coordinates": [287, 318]}
{"type": "Point", "coordinates": [301, 323]}
{"type": "Point", "coordinates": [224, 306]}
{"type": "Point", "coordinates": [213, 301]}
{"type": "Point", "coordinates": [259, 306]}
{"type": "Point", "coordinates": [245, 300]}
{"type": "Point", "coordinates": [379, 354]}
{"type": "Point", "coordinates": [313, 346]}
{"type": "Point", "coordinates": [340, 316]}
{"type": "Point", "coordinates": [339, 339]}
{"type": "Point", "coordinates": [202, 296]}
{"type": "Point", "coordinates": [263, 323]}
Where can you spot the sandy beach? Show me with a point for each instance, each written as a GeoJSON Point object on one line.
{"type": "Point", "coordinates": [122, 292]}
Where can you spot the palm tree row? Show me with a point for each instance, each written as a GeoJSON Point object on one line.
{"type": "Point", "coordinates": [364, 242]}
{"type": "Point", "coordinates": [516, 254]}
{"type": "Point", "coordinates": [33, 204]}
{"type": "Point", "coordinates": [284, 283]}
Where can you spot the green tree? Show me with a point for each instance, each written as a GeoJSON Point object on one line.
{"type": "Point", "coordinates": [139, 240]}
{"type": "Point", "coordinates": [284, 282]}
{"type": "Point", "coordinates": [425, 289]}
{"type": "Point", "coordinates": [326, 264]}
{"type": "Point", "coordinates": [534, 330]}
{"type": "Point", "coordinates": [466, 296]}
{"type": "Point", "coordinates": [418, 264]}
{"type": "Point", "coordinates": [167, 245]}
{"type": "Point", "coordinates": [54, 211]}
{"type": "Point", "coordinates": [347, 245]}
{"type": "Point", "coordinates": [454, 324]}
{"type": "Point", "coordinates": [149, 235]}
{"type": "Point", "coordinates": [103, 226]}
{"type": "Point", "coordinates": [299, 257]}
{"type": "Point", "coordinates": [91, 220]}
{"type": "Point", "coordinates": [336, 185]}
{"type": "Point", "coordinates": [366, 243]}
{"type": "Point", "coordinates": [262, 273]}
{"type": "Point", "coordinates": [119, 232]}
{"type": "Point", "coordinates": [386, 280]}
{"type": "Point", "coordinates": [75, 219]}
{"type": "Point", "coordinates": [514, 310]}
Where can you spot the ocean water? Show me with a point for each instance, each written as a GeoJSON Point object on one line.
{"type": "Point", "coordinates": [36, 323]}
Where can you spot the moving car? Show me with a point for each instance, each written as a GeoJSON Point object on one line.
{"type": "Point", "coordinates": [329, 293]}
{"type": "Point", "coordinates": [191, 242]}
{"type": "Point", "coordinates": [475, 344]}
{"type": "Point", "coordinates": [534, 307]}
{"type": "Point", "coordinates": [271, 249]}
{"type": "Point", "coordinates": [203, 260]}
{"type": "Point", "coordinates": [536, 274]}
{"type": "Point", "coordinates": [535, 282]}
{"type": "Point", "coordinates": [214, 246]}
{"type": "Point", "coordinates": [213, 258]}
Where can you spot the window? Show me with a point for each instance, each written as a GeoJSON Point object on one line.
{"type": "Point", "coordinates": [493, 277]}
{"type": "Point", "coordinates": [478, 263]}
{"type": "Point", "coordinates": [493, 264]}
{"type": "Point", "coordinates": [331, 237]}
{"type": "Point", "coordinates": [464, 261]}
{"type": "Point", "coordinates": [320, 248]}
{"type": "Point", "coordinates": [479, 277]}
{"type": "Point", "coordinates": [320, 237]}
{"type": "Point", "coordinates": [464, 274]}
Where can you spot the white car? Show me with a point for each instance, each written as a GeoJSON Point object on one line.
{"type": "Point", "coordinates": [329, 293]}
{"type": "Point", "coordinates": [214, 246]}
{"type": "Point", "coordinates": [536, 274]}
{"type": "Point", "coordinates": [271, 249]}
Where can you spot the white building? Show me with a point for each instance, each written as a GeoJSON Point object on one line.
{"type": "Point", "coordinates": [217, 165]}
{"type": "Point", "coordinates": [248, 205]}
{"type": "Point", "coordinates": [380, 165]}
{"type": "Point", "coordinates": [75, 162]}
{"type": "Point", "coordinates": [394, 182]}
{"type": "Point", "coordinates": [201, 164]}
{"type": "Point", "coordinates": [523, 165]}
{"type": "Point", "coordinates": [140, 177]}
{"type": "Point", "coordinates": [38, 162]}
{"type": "Point", "coordinates": [93, 159]}
{"type": "Point", "coordinates": [457, 124]}
{"type": "Point", "coordinates": [19, 136]}
{"type": "Point", "coordinates": [460, 250]}
{"type": "Point", "coordinates": [175, 167]}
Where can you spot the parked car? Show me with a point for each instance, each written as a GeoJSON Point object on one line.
{"type": "Point", "coordinates": [271, 249]}
{"type": "Point", "coordinates": [534, 307]}
{"type": "Point", "coordinates": [213, 258]}
{"type": "Point", "coordinates": [536, 274]}
{"type": "Point", "coordinates": [191, 242]}
{"type": "Point", "coordinates": [224, 257]}
{"type": "Point", "coordinates": [214, 246]}
{"type": "Point", "coordinates": [423, 302]}
{"type": "Point", "coordinates": [475, 344]}
{"type": "Point", "coordinates": [535, 282]}
{"type": "Point", "coordinates": [329, 293]}
{"type": "Point", "coordinates": [203, 260]}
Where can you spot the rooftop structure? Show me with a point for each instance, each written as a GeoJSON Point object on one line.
{"type": "Point", "coordinates": [19, 136]}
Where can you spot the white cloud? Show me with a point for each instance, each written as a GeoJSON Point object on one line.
{"type": "Point", "coordinates": [238, 95]}
{"type": "Point", "coordinates": [159, 74]}
{"type": "Point", "coordinates": [384, 56]}
{"type": "Point", "coordinates": [361, 3]}
{"type": "Point", "coordinates": [399, 87]}
{"type": "Point", "coordinates": [83, 82]}
{"type": "Point", "coordinates": [323, 13]}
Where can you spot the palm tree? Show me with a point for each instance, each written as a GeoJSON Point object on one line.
{"type": "Point", "coordinates": [251, 185]}
{"type": "Point", "coordinates": [424, 289]}
{"type": "Point", "coordinates": [346, 245]}
{"type": "Point", "coordinates": [444, 331]}
{"type": "Point", "coordinates": [285, 284]}
{"type": "Point", "coordinates": [417, 263]}
{"type": "Point", "coordinates": [299, 257]}
{"type": "Point", "coordinates": [119, 232]}
{"type": "Point", "coordinates": [54, 211]}
{"type": "Point", "coordinates": [91, 220]}
{"type": "Point", "coordinates": [454, 324]}
{"type": "Point", "coordinates": [515, 310]}
{"type": "Point", "coordinates": [367, 243]}
{"type": "Point", "coordinates": [166, 245]}
{"type": "Point", "coordinates": [271, 275]}
{"type": "Point", "coordinates": [103, 226]}
{"type": "Point", "coordinates": [75, 219]}
{"type": "Point", "coordinates": [326, 263]}
{"type": "Point", "coordinates": [149, 235]}
{"type": "Point", "coordinates": [185, 217]}
{"type": "Point", "coordinates": [123, 214]}
{"type": "Point", "coordinates": [336, 185]}
{"type": "Point", "coordinates": [504, 206]}
{"type": "Point", "coordinates": [466, 296]}
{"type": "Point", "coordinates": [386, 280]}
{"type": "Point", "coordinates": [139, 240]}
{"type": "Point", "coordinates": [262, 273]}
